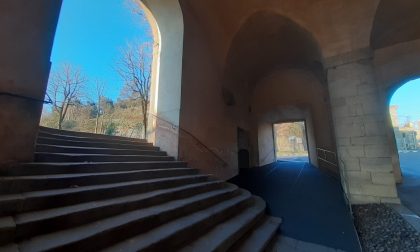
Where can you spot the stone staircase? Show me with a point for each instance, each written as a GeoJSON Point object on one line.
{"type": "Point", "coordinates": [87, 192]}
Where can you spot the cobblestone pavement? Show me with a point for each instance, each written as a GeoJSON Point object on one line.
{"type": "Point", "coordinates": [381, 228]}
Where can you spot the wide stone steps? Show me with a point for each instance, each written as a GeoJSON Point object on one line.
{"type": "Point", "coordinates": [91, 143]}
{"type": "Point", "coordinates": [259, 238]}
{"type": "Point", "coordinates": [30, 201]}
{"type": "Point", "coordinates": [99, 234]}
{"type": "Point", "coordinates": [56, 181]}
{"type": "Point", "coordinates": [224, 235]}
{"type": "Point", "coordinates": [103, 139]}
{"type": "Point", "coordinates": [45, 221]}
{"type": "Point", "coordinates": [63, 168]}
{"type": "Point", "coordinates": [88, 192]}
{"type": "Point", "coordinates": [66, 133]}
{"type": "Point", "coordinates": [174, 234]}
{"type": "Point", "coordinates": [79, 157]}
{"type": "Point", "coordinates": [145, 150]}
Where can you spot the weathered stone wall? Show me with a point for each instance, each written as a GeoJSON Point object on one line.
{"type": "Point", "coordinates": [360, 130]}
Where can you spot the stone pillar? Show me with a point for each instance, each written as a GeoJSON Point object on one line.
{"type": "Point", "coordinates": [360, 129]}
{"type": "Point", "coordinates": [27, 29]}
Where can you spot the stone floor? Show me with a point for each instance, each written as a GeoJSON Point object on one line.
{"type": "Point", "coordinates": [287, 244]}
{"type": "Point", "coordinates": [309, 201]}
{"type": "Point", "coordinates": [409, 190]}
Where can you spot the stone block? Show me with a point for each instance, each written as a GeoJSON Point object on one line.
{"type": "Point", "coordinates": [377, 151]}
{"type": "Point", "coordinates": [376, 164]}
{"type": "Point", "coordinates": [387, 191]}
{"type": "Point", "coordinates": [345, 88]}
{"type": "Point", "coordinates": [375, 128]}
{"type": "Point", "coordinates": [338, 102]}
{"type": "Point", "coordinates": [350, 129]}
{"type": "Point", "coordinates": [358, 177]}
{"type": "Point", "coordinates": [363, 199]}
{"type": "Point", "coordinates": [383, 178]}
{"type": "Point", "coordinates": [351, 164]}
{"type": "Point", "coordinates": [367, 88]}
{"type": "Point", "coordinates": [352, 151]}
{"type": "Point", "coordinates": [343, 141]}
{"type": "Point", "coordinates": [390, 201]}
{"type": "Point", "coordinates": [369, 140]}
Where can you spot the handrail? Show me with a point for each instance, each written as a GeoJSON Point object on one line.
{"type": "Point", "coordinates": [49, 101]}
{"type": "Point", "coordinates": [325, 157]}
{"type": "Point", "coordinates": [194, 137]}
{"type": "Point", "coordinates": [339, 163]}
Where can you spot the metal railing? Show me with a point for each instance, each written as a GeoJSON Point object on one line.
{"type": "Point", "coordinates": [49, 101]}
{"type": "Point", "coordinates": [198, 141]}
{"type": "Point", "coordinates": [335, 161]}
{"type": "Point", "coordinates": [325, 156]}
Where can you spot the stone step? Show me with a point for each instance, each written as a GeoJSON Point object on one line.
{"type": "Point", "coordinates": [260, 237]}
{"type": "Point", "coordinates": [20, 184]}
{"type": "Point", "coordinates": [9, 248]}
{"type": "Point", "coordinates": [99, 234]}
{"type": "Point", "coordinates": [7, 230]}
{"type": "Point", "coordinates": [100, 138]}
{"type": "Point", "coordinates": [88, 143]}
{"type": "Point", "coordinates": [93, 167]}
{"type": "Point", "coordinates": [46, 221]}
{"type": "Point", "coordinates": [78, 157]}
{"type": "Point", "coordinates": [174, 234]}
{"type": "Point", "coordinates": [141, 150]}
{"type": "Point", "coordinates": [32, 201]}
{"type": "Point", "coordinates": [224, 235]}
{"type": "Point", "coordinates": [84, 134]}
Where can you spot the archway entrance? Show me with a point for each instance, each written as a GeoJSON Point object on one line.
{"type": "Point", "coordinates": [405, 118]}
{"type": "Point", "coordinates": [291, 142]}
{"type": "Point", "coordinates": [149, 107]}
{"type": "Point", "coordinates": [90, 87]}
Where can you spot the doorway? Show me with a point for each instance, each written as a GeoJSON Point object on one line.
{"type": "Point", "coordinates": [291, 141]}
{"type": "Point", "coordinates": [243, 149]}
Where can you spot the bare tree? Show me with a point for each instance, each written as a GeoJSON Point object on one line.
{"type": "Point", "coordinates": [100, 86]}
{"type": "Point", "coordinates": [135, 69]}
{"type": "Point", "coordinates": [64, 88]}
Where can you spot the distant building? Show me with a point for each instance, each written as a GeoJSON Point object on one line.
{"type": "Point", "coordinates": [407, 136]}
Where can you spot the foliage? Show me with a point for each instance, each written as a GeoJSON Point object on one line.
{"type": "Point", "coordinates": [122, 118]}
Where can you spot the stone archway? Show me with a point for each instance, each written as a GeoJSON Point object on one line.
{"type": "Point", "coordinates": [396, 48]}
{"type": "Point", "coordinates": [271, 61]}
{"type": "Point", "coordinates": [167, 24]}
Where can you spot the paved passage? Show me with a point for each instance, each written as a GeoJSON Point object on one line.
{"type": "Point", "coordinates": [409, 190]}
{"type": "Point", "coordinates": [309, 201]}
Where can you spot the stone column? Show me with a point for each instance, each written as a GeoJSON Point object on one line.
{"type": "Point", "coordinates": [360, 129]}
{"type": "Point", "coordinates": [27, 31]}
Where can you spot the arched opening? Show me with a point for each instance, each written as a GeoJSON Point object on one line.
{"type": "Point", "coordinates": [405, 119]}
{"type": "Point", "coordinates": [90, 87]}
{"type": "Point", "coordinates": [274, 73]}
{"type": "Point", "coordinates": [270, 61]}
{"type": "Point", "coordinates": [132, 85]}
{"type": "Point", "coordinates": [396, 47]}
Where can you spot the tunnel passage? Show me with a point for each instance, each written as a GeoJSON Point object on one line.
{"type": "Point", "coordinates": [274, 64]}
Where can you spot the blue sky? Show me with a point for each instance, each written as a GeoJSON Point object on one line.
{"type": "Point", "coordinates": [90, 35]}
{"type": "Point", "coordinates": [407, 98]}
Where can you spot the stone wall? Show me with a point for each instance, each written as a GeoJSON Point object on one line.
{"type": "Point", "coordinates": [360, 128]}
